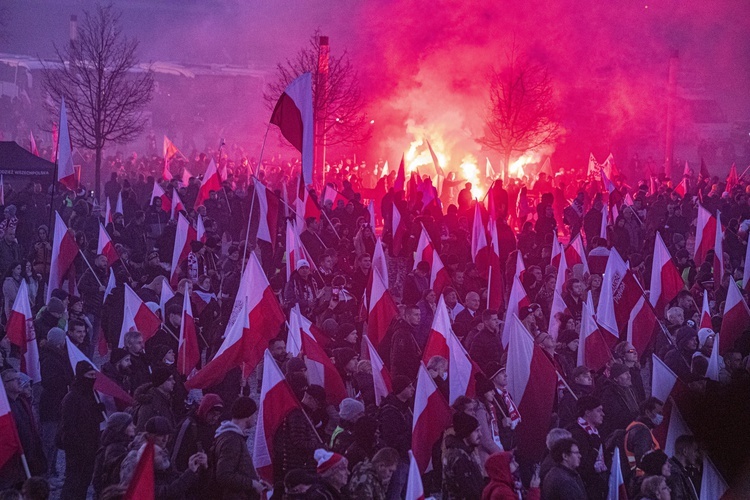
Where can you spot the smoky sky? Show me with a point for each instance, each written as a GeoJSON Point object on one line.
{"type": "Point", "coordinates": [423, 63]}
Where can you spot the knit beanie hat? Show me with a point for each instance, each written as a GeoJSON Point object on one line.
{"type": "Point", "coordinates": [82, 368]}
{"type": "Point", "coordinates": [587, 403]}
{"type": "Point", "coordinates": [56, 337]}
{"type": "Point", "coordinates": [703, 335]}
{"type": "Point", "coordinates": [617, 369]}
{"type": "Point", "coordinates": [684, 334]}
{"type": "Point", "coordinates": [159, 375]}
{"type": "Point", "coordinates": [464, 424]}
{"type": "Point", "coordinates": [343, 355]}
{"type": "Point", "coordinates": [158, 426]}
{"type": "Point", "coordinates": [117, 354]}
{"type": "Point", "coordinates": [244, 407]}
{"type": "Point", "coordinates": [55, 306]}
{"type": "Point", "coordinates": [119, 421]}
{"type": "Point", "coordinates": [326, 460]}
{"type": "Point", "coordinates": [652, 462]}
{"type": "Point", "coordinates": [351, 410]}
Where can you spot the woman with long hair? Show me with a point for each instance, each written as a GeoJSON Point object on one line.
{"type": "Point", "coordinates": [11, 284]}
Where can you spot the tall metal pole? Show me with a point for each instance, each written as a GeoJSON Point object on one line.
{"type": "Point", "coordinates": [321, 110]}
{"type": "Point", "coordinates": [671, 104]}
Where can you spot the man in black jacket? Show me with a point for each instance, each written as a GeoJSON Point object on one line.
{"type": "Point", "coordinates": [405, 353]}
{"type": "Point", "coordinates": [79, 432]}
{"type": "Point", "coordinates": [395, 419]}
{"type": "Point", "coordinates": [57, 375]}
{"type": "Point", "coordinates": [140, 371]}
{"type": "Point", "coordinates": [563, 482]}
{"type": "Point", "coordinates": [462, 475]}
{"type": "Point", "coordinates": [585, 431]}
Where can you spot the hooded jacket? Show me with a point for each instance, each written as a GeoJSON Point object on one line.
{"type": "Point", "coordinates": [233, 468]}
{"type": "Point", "coordinates": [114, 449]}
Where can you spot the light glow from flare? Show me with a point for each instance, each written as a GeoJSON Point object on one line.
{"type": "Point", "coordinates": [470, 171]}
{"type": "Point", "coordinates": [516, 168]}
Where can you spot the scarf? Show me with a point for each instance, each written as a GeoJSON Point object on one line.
{"type": "Point", "coordinates": [513, 413]}
{"type": "Point", "coordinates": [599, 465]}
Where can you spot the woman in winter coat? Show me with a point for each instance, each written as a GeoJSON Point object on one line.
{"type": "Point", "coordinates": [12, 282]}
{"type": "Point", "coordinates": [500, 468]}
{"type": "Point", "coordinates": [114, 448]}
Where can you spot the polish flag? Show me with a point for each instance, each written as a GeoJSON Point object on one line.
{"type": "Point", "coordinates": [532, 382]}
{"type": "Point", "coordinates": [183, 237]}
{"type": "Point", "coordinates": [736, 317]}
{"type": "Point", "coordinates": [640, 325]}
{"type": "Point", "coordinates": [118, 205]}
{"type": "Point", "coordinates": [517, 300]}
{"type": "Point", "coordinates": [746, 273]}
{"type": "Point", "coordinates": [188, 353]}
{"type": "Point", "coordinates": [137, 316]}
{"type": "Point", "coordinates": [400, 183]}
{"type": "Point", "coordinates": [732, 179]}
{"type": "Point", "coordinates": [398, 230]}
{"type": "Point", "coordinates": [382, 308]}
{"type": "Point", "coordinates": [462, 369]}
{"type": "Point", "coordinates": [664, 383]}
{"type": "Point", "coordinates": [593, 349]}
{"type": "Point", "coordinates": [66, 174]}
{"type": "Point", "coordinates": [379, 261]}
{"type": "Point", "coordinates": [557, 251]}
{"type": "Point", "coordinates": [142, 485]}
{"type": "Point", "coordinates": [200, 229]}
{"type": "Point", "coordinates": [166, 202]}
{"type": "Point", "coordinates": [574, 253]}
{"type": "Point", "coordinates": [714, 366]}
{"type": "Point", "coordinates": [295, 251]}
{"type": "Point", "coordinates": [108, 212]}
{"type": "Point", "coordinates": [20, 330]}
{"type": "Point", "coordinates": [705, 234]}
{"type": "Point", "coordinates": [718, 264]}
{"type": "Point", "coordinates": [106, 247]}
{"type": "Point", "coordinates": [268, 206]}
{"type": "Point", "coordinates": [520, 266]}
{"type": "Point", "coordinates": [164, 296]}
{"type": "Point", "coordinates": [256, 318]}
{"type": "Point", "coordinates": [705, 312]}
{"type": "Point", "coordinates": [620, 293]}
{"type": "Point", "coordinates": [170, 151]}
{"type": "Point", "coordinates": [380, 376]}
{"type": "Point", "coordinates": [177, 206]}
{"type": "Point", "coordinates": [111, 284]}
{"type": "Point", "coordinates": [681, 188]}
{"type": "Point", "coordinates": [617, 489]}
{"type": "Point", "coordinates": [676, 427]}
{"type": "Point", "coordinates": [293, 114]}
{"type": "Point", "coordinates": [320, 369]}
{"type": "Point", "coordinates": [605, 221]}
{"type": "Point", "coordinates": [713, 484]}
{"type": "Point", "coordinates": [186, 177]}
{"type": "Point", "coordinates": [438, 170]}
{"type": "Point", "coordinates": [479, 248]}
{"type": "Point", "coordinates": [64, 251]}
{"type": "Point", "coordinates": [558, 308]}
{"type": "Point", "coordinates": [439, 276]}
{"type": "Point", "coordinates": [414, 488]}
{"type": "Point", "coordinates": [666, 281]}
{"type": "Point", "coordinates": [437, 341]}
{"type": "Point", "coordinates": [331, 194]}
{"type": "Point", "coordinates": [211, 182]}
{"type": "Point", "coordinates": [432, 416]}
{"type": "Point", "coordinates": [495, 283]}
{"type": "Point", "coordinates": [104, 385]}
{"type": "Point", "coordinates": [276, 401]}
{"type": "Point", "coordinates": [10, 443]}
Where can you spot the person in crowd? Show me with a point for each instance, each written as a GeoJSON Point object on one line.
{"type": "Point", "coordinates": [553, 436]}
{"type": "Point", "coordinates": [489, 417]}
{"type": "Point", "coordinates": [118, 368]}
{"type": "Point", "coordinates": [140, 369]}
{"type": "Point", "coordinates": [652, 463]}
{"type": "Point", "coordinates": [350, 410]}
{"type": "Point", "coordinates": [655, 488]}
{"type": "Point", "coordinates": [405, 352]}
{"type": "Point", "coordinates": [484, 343]}
{"type": "Point", "coordinates": [585, 432]}
{"type": "Point", "coordinates": [51, 316]}
{"type": "Point", "coordinates": [501, 468]}
{"type": "Point", "coordinates": [618, 399]}
{"type": "Point", "coordinates": [155, 399]}
{"type": "Point", "coordinates": [197, 430]}
{"type": "Point", "coordinates": [680, 357]}
{"type": "Point", "coordinates": [427, 306]}
{"type": "Point", "coordinates": [469, 318]}
{"type": "Point", "coordinates": [625, 353]}
{"type": "Point", "coordinates": [301, 289]}
{"type": "Point", "coordinates": [639, 437]}
{"type": "Point", "coordinates": [115, 441]}
{"type": "Point", "coordinates": [437, 367]}
{"type": "Point", "coordinates": [333, 475]}
{"type": "Point", "coordinates": [416, 283]}
{"type": "Point", "coordinates": [462, 473]}
{"type": "Point", "coordinates": [370, 479]}
{"type": "Point", "coordinates": [77, 337]}
{"type": "Point", "coordinates": [563, 482]}
{"type": "Point", "coordinates": [684, 468]}
{"type": "Point", "coordinates": [11, 285]}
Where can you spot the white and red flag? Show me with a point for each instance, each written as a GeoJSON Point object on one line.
{"type": "Point", "coordinates": [177, 205]}
{"type": "Point", "coordinates": [438, 169]}
{"type": "Point", "coordinates": [66, 174]}
{"type": "Point", "coordinates": [705, 312]}
{"type": "Point", "coordinates": [414, 487]}
{"type": "Point", "coordinates": [64, 251]}
{"type": "Point", "coordinates": [256, 318]}
{"type": "Point", "coordinates": [331, 194]}
{"type": "Point", "coordinates": [137, 316]}
{"type": "Point", "coordinates": [107, 211]}
{"type": "Point", "coordinates": [593, 348]}
{"type": "Point", "coordinates": [320, 369]}
{"type": "Point", "coordinates": [462, 370]}
{"type": "Point", "coordinates": [118, 205]}
{"type": "Point", "coordinates": [371, 212]}
{"type": "Point", "coordinates": [379, 261]}
{"type": "Point", "coordinates": [211, 182]}
{"type": "Point", "coordinates": [617, 489]}
{"type": "Point", "coordinates": [400, 183]}
{"type": "Point", "coordinates": [557, 251]}
{"type": "Point", "coordinates": [736, 317]}
{"type": "Point", "coordinates": [158, 192]}
{"type": "Point", "coordinates": [164, 296]}
{"type": "Point", "coordinates": [640, 325]}
{"type": "Point", "coordinates": [705, 235]}
{"type": "Point", "coordinates": [718, 264]}
{"type": "Point", "coordinates": [666, 281]}
{"type": "Point", "coordinates": [398, 230]}
{"type": "Point", "coordinates": [188, 354]}
{"type": "Point", "coordinates": [532, 383]}
{"type": "Point", "coordinates": [575, 254]}
{"type": "Point", "coordinates": [142, 485]}
{"type": "Point", "coordinates": [682, 188]}
{"type": "Point", "coordinates": [184, 235]}
{"type": "Point", "coordinates": [431, 417]}
{"type": "Point", "coordinates": [380, 376]}
{"type": "Point", "coordinates": [200, 229]}
{"type": "Point", "coordinates": [516, 301]}
{"type": "Point", "coordinates": [713, 485]}
{"type": "Point", "coordinates": [665, 386]}
{"type": "Point", "coordinates": [105, 246]}
{"type": "Point", "coordinates": [479, 249]}
{"type": "Point", "coordinates": [620, 293]}
{"type": "Point", "coordinates": [605, 221]}
{"type": "Point", "coordinates": [170, 151]}
{"type": "Point", "coordinates": [439, 276]}
{"type": "Point", "coordinates": [382, 308]}
{"type": "Point", "coordinates": [268, 208]}
{"type": "Point", "coordinates": [295, 251]}
{"type": "Point", "coordinates": [10, 443]}
{"type": "Point", "coordinates": [437, 340]}
{"type": "Point", "coordinates": [20, 330]}
{"type": "Point", "coordinates": [557, 309]}
{"type": "Point", "coordinates": [276, 401]}
{"type": "Point", "coordinates": [714, 366]}
{"type": "Point", "coordinates": [104, 385]}
{"type": "Point", "coordinates": [111, 284]}
{"type": "Point", "coordinates": [293, 115]}
{"type": "Point", "coordinates": [495, 282]}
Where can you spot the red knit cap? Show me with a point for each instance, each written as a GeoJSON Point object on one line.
{"type": "Point", "coordinates": [326, 460]}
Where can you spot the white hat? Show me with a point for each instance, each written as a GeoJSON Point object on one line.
{"type": "Point", "coordinates": [703, 335]}
{"type": "Point", "coordinates": [302, 263]}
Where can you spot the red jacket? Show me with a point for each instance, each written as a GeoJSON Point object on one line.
{"type": "Point", "coordinates": [501, 485]}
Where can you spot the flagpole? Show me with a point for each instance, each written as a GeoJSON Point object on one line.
{"type": "Point", "coordinates": [25, 465]}
{"type": "Point", "coordinates": [218, 169]}
{"type": "Point", "coordinates": [252, 202]}
{"type": "Point", "coordinates": [743, 174]}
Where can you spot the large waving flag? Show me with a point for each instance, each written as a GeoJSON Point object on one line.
{"type": "Point", "coordinates": [439, 276]}
{"type": "Point", "coordinates": [295, 251]}
{"type": "Point", "coordinates": [10, 443]}
{"type": "Point", "coordinates": [66, 174]}
{"type": "Point", "coordinates": [593, 351]}
{"type": "Point", "coordinates": [736, 317]}
{"type": "Point", "coordinates": [495, 282]}
{"type": "Point", "coordinates": [64, 251]}
{"type": "Point", "coordinates": [574, 253]}
{"type": "Point", "coordinates": [185, 235]}
{"type": "Point", "coordinates": [617, 489]}
{"type": "Point", "coordinates": [379, 261]}
{"type": "Point", "coordinates": [20, 330]}
{"type": "Point", "coordinates": [558, 304]}
{"type": "Point", "coordinates": [256, 318]}
{"type": "Point", "coordinates": [188, 354]}
{"type": "Point", "coordinates": [414, 487]}
{"type": "Point", "coordinates": [380, 376]}
{"type": "Point", "coordinates": [431, 417]}
{"type": "Point", "coordinates": [382, 308]}
{"type": "Point", "coordinates": [293, 115]}
{"type": "Point", "coordinates": [177, 205]}
{"type": "Point", "coordinates": [437, 341]}
{"type": "Point", "coordinates": [211, 182]}
{"type": "Point", "coordinates": [268, 205]}
{"type": "Point", "coordinates": [640, 325]}
{"type": "Point", "coordinates": [105, 246]}
{"type": "Point", "coordinates": [438, 169]}
{"type": "Point", "coordinates": [705, 312]}
{"type": "Point", "coordinates": [664, 383]}
{"type": "Point", "coordinates": [170, 151]}
{"type": "Point", "coordinates": [666, 281]}
{"type": "Point", "coordinates": [158, 192]}
{"type": "Point", "coordinates": [142, 484]}
{"type": "Point", "coordinates": [705, 234]}
{"type": "Point", "coordinates": [620, 293]}
{"type": "Point", "coordinates": [398, 230]}
{"type": "Point", "coordinates": [137, 316]}
{"type": "Point", "coordinates": [276, 401]}
{"type": "Point", "coordinates": [104, 385]}
{"type": "Point", "coordinates": [532, 383]}
{"type": "Point", "coordinates": [517, 300]}
{"type": "Point", "coordinates": [479, 248]}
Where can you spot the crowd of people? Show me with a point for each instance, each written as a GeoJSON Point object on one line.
{"type": "Point", "coordinates": [360, 447]}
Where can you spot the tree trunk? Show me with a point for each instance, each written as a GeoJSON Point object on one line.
{"type": "Point", "coordinates": [506, 166]}
{"type": "Point", "coordinates": [98, 175]}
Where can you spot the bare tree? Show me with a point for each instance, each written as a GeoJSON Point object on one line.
{"type": "Point", "coordinates": [521, 111]}
{"type": "Point", "coordinates": [104, 86]}
{"type": "Point", "coordinates": [337, 100]}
